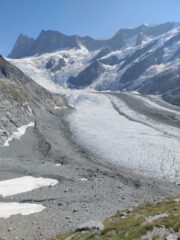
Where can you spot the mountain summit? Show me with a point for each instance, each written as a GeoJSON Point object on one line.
{"type": "Point", "coordinates": [49, 41]}
{"type": "Point", "coordinates": [22, 46]}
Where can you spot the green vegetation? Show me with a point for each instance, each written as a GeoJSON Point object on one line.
{"type": "Point", "coordinates": [133, 224]}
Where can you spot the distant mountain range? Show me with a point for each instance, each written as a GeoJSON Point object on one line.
{"type": "Point", "coordinates": [49, 41]}
{"type": "Point", "coordinates": [144, 59]}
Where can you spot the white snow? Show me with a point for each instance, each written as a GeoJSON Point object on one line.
{"type": "Point", "coordinates": [18, 134]}
{"type": "Point", "coordinates": [24, 184]}
{"type": "Point", "coordinates": [21, 185]}
{"type": "Point", "coordinates": [56, 107]}
{"type": "Point", "coordinates": [83, 179]}
{"type": "Point", "coordinates": [10, 209]}
{"type": "Point", "coordinates": [116, 140]}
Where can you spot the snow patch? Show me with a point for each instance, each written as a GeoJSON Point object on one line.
{"type": "Point", "coordinates": [83, 179]}
{"type": "Point", "coordinates": [18, 134]}
{"type": "Point", "coordinates": [24, 184]}
{"type": "Point", "coordinates": [10, 209]}
{"type": "Point", "coordinates": [56, 107]}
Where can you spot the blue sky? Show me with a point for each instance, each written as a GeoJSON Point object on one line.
{"type": "Point", "coordinates": [97, 18]}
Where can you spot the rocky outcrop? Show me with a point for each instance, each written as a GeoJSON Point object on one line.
{"type": "Point", "coordinates": [54, 66]}
{"type": "Point", "coordinates": [86, 77]}
{"type": "Point", "coordinates": [172, 96]}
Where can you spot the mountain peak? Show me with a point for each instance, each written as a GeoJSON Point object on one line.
{"type": "Point", "coordinates": [21, 47]}
{"type": "Point", "coordinates": [49, 41]}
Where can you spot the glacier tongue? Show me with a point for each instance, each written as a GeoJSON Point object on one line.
{"type": "Point", "coordinates": [121, 142]}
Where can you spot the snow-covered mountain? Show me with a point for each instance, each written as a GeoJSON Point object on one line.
{"type": "Point", "coordinates": [52, 70]}
{"type": "Point", "coordinates": [145, 59]}
{"type": "Point", "coordinates": [49, 41]}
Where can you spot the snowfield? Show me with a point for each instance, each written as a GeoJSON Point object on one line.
{"type": "Point", "coordinates": [10, 209]}
{"type": "Point", "coordinates": [119, 140]}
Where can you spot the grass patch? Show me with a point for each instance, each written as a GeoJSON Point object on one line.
{"type": "Point", "coordinates": [61, 236]}
{"type": "Point", "coordinates": [134, 224]}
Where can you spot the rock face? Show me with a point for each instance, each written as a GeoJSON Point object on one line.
{"type": "Point", "coordinates": [49, 41]}
{"type": "Point", "coordinates": [21, 97]}
{"type": "Point", "coordinates": [54, 65]}
{"type": "Point", "coordinates": [173, 96]}
{"type": "Point", "coordinates": [86, 77]}
{"type": "Point", "coordinates": [140, 39]}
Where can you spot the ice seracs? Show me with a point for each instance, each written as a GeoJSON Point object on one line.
{"type": "Point", "coordinates": [35, 67]}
